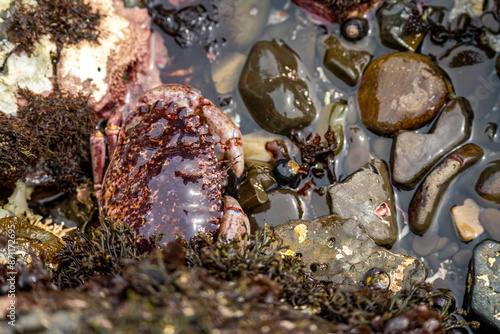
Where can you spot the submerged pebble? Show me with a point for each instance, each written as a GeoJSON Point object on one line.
{"type": "Point", "coordinates": [423, 246]}
{"type": "Point", "coordinates": [462, 258]}
{"type": "Point", "coordinates": [488, 183]}
{"type": "Point", "coordinates": [225, 71]}
{"type": "Point", "coordinates": [358, 145]}
{"type": "Point", "coordinates": [448, 251]}
{"type": "Point", "coordinates": [490, 219]}
{"type": "Point", "coordinates": [400, 91]}
{"type": "Point", "coordinates": [242, 21]}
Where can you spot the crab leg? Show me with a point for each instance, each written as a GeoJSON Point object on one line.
{"type": "Point", "coordinates": [234, 222]}
{"type": "Point", "coordinates": [98, 157]}
{"type": "Point", "coordinates": [228, 133]}
{"type": "Point", "coordinates": [113, 130]}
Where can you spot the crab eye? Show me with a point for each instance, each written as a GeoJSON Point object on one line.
{"type": "Point", "coordinates": [354, 29]}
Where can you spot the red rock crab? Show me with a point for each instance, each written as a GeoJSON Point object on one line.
{"type": "Point", "coordinates": [165, 174]}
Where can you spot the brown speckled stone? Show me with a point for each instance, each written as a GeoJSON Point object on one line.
{"type": "Point", "coordinates": [400, 91]}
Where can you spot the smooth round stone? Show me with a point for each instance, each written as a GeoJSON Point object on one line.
{"type": "Point", "coordinates": [423, 246]}
{"type": "Point", "coordinates": [490, 219]}
{"type": "Point", "coordinates": [488, 184]}
{"type": "Point", "coordinates": [434, 262]}
{"type": "Point", "coordinates": [462, 258]}
{"type": "Point", "coordinates": [242, 21]}
{"type": "Point", "coordinates": [441, 243]}
{"type": "Point", "coordinates": [359, 148]}
{"type": "Point", "coordinates": [400, 91]}
{"type": "Point", "coordinates": [276, 88]}
{"type": "Point", "coordinates": [448, 251]}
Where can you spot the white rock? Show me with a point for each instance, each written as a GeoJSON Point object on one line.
{"type": "Point", "coordinates": [466, 219]}
{"type": "Point", "coordinates": [23, 71]}
{"type": "Point", "coordinates": [94, 68]}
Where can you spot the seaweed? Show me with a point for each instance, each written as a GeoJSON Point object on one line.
{"type": "Point", "coordinates": [314, 149]}
{"type": "Point", "coordinates": [15, 151]}
{"type": "Point", "coordinates": [51, 134]}
{"type": "Point", "coordinates": [101, 253]}
{"type": "Point", "coordinates": [201, 285]}
{"type": "Point", "coordinates": [66, 21]}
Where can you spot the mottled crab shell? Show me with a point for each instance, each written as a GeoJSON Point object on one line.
{"type": "Point", "coordinates": [165, 173]}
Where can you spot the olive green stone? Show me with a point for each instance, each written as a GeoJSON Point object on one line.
{"type": "Point", "coordinates": [346, 64]}
{"type": "Point", "coordinates": [276, 88]}
{"type": "Point", "coordinates": [391, 17]}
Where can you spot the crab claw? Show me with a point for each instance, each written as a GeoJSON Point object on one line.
{"type": "Point", "coordinates": [234, 222]}
{"type": "Point", "coordinates": [229, 134]}
{"type": "Point", "coordinates": [98, 157]}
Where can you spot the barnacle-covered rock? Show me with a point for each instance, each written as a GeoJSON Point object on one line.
{"type": "Point", "coordinates": [339, 250]}
{"type": "Point", "coordinates": [483, 283]}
